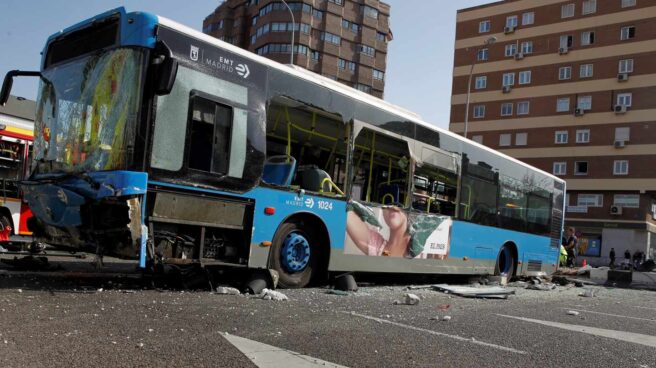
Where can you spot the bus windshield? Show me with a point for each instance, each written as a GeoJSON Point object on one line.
{"type": "Point", "coordinates": [87, 112]}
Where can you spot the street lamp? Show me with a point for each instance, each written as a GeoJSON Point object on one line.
{"type": "Point", "coordinates": [291, 57]}
{"type": "Point", "coordinates": [487, 42]}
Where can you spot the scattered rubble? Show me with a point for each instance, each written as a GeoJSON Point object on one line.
{"type": "Point", "coordinates": [272, 295]}
{"type": "Point", "coordinates": [542, 287]}
{"type": "Point", "coordinates": [226, 290]}
{"type": "Point", "coordinates": [338, 292]}
{"type": "Point", "coordinates": [573, 313]}
{"type": "Point", "coordinates": [446, 318]}
{"type": "Point", "coordinates": [589, 293]}
{"type": "Point", "coordinates": [409, 299]}
{"type": "Point", "coordinates": [490, 292]}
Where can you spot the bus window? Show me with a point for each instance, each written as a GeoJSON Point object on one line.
{"type": "Point", "coordinates": [309, 141]}
{"type": "Point", "coordinates": [478, 200]}
{"type": "Point", "coordinates": [539, 212]}
{"type": "Point", "coordinates": [512, 204]}
{"type": "Point", "coordinates": [381, 169]}
{"type": "Point", "coordinates": [434, 190]}
{"type": "Point", "coordinates": [209, 137]}
{"type": "Point", "coordinates": [11, 166]}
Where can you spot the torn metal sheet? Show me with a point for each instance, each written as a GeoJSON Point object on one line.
{"type": "Point", "coordinates": [475, 292]}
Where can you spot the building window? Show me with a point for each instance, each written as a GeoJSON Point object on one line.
{"type": "Point", "coordinates": [481, 82]}
{"type": "Point", "coordinates": [511, 49]}
{"type": "Point", "coordinates": [479, 111]}
{"type": "Point", "coordinates": [525, 77]}
{"type": "Point", "coordinates": [627, 33]}
{"type": "Point", "coordinates": [622, 134]}
{"type": "Point", "coordinates": [254, 20]}
{"type": "Point", "coordinates": [584, 103]}
{"type": "Point", "coordinates": [565, 73]}
{"type": "Point", "coordinates": [527, 47]}
{"type": "Point", "coordinates": [367, 50]}
{"type": "Point", "coordinates": [589, 7]}
{"type": "Point", "coordinates": [363, 87]}
{"type": "Point", "coordinates": [627, 200]}
{"type": "Point", "coordinates": [624, 99]}
{"type": "Point", "coordinates": [528, 18]}
{"type": "Point", "coordinates": [505, 139]}
{"type": "Point", "coordinates": [316, 55]}
{"type": "Point", "coordinates": [581, 168]}
{"type": "Point", "coordinates": [338, 2]}
{"type": "Point", "coordinates": [562, 104]}
{"type": "Point", "coordinates": [521, 139]}
{"type": "Point", "coordinates": [378, 74]}
{"type": "Point", "coordinates": [331, 38]}
{"type": "Point", "coordinates": [560, 168]}
{"type": "Point", "coordinates": [287, 27]}
{"type": "Point", "coordinates": [590, 200]}
{"type": "Point", "coordinates": [567, 10]}
{"type": "Point", "coordinates": [507, 109]}
{"type": "Point", "coordinates": [561, 137]}
{"type": "Point", "coordinates": [626, 66]}
{"type": "Point", "coordinates": [523, 108]}
{"type": "Point", "coordinates": [482, 55]}
{"type": "Point", "coordinates": [583, 136]}
{"type": "Point", "coordinates": [508, 79]}
{"type": "Point", "coordinates": [353, 27]}
{"type": "Point", "coordinates": [587, 38]}
{"type": "Point", "coordinates": [345, 64]}
{"type": "Point", "coordinates": [477, 139]}
{"type": "Point", "coordinates": [380, 36]}
{"type": "Point", "coordinates": [317, 13]}
{"type": "Point", "coordinates": [511, 21]}
{"type": "Point", "coordinates": [566, 41]}
{"type": "Point", "coordinates": [281, 48]}
{"type": "Point", "coordinates": [620, 167]}
{"type": "Point", "coordinates": [586, 71]}
{"type": "Point", "coordinates": [628, 3]}
{"type": "Point", "coordinates": [369, 11]}
{"type": "Point", "coordinates": [484, 26]}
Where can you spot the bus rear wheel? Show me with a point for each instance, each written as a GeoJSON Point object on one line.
{"type": "Point", "coordinates": [505, 262]}
{"type": "Point", "coordinates": [293, 256]}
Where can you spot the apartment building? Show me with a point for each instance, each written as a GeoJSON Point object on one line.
{"type": "Point", "coordinates": [344, 40]}
{"type": "Point", "coordinates": [569, 87]}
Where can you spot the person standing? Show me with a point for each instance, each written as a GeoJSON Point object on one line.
{"type": "Point", "coordinates": [571, 246]}
{"type": "Point", "coordinates": [612, 259]}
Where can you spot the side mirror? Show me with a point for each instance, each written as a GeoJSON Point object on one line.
{"type": "Point", "coordinates": [166, 69]}
{"type": "Point", "coordinates": [9, 82]}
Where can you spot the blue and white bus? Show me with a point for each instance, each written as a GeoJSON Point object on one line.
{"type": "Point", "coordinates": [162, 144]}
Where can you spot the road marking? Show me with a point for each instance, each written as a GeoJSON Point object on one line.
{"type": "Point", "coordinates": [612, 315]}
{"type": "Point", "coordinates": [267, 356]}
{"type": "Point", "coordinates": [632, 337]}
{"type": "Point", "coordinates": [455, 337]}
{"type": "Point", "coordinates": [637, 306]}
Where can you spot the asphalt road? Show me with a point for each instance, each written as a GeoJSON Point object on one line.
{"type": "Point", "coordinates": [49, 322]}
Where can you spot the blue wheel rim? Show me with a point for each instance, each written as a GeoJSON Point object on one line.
{"type": "Point", "coordinates": [295, 252]}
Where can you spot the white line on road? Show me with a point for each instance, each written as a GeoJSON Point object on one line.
{"type": "Point", "coordinates": [637, 306]}
{"type": "Point", "coordinates": [611, 315]}
{"type": "Point", "coordinates": [455, 337]}
{"type": "Point", "coordinates": [267, 356]}
{"type": "Point", "coordinates": [632, 337]}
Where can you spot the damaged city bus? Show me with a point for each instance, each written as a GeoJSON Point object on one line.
{"type": "Point", "coordinates": [160, 143]}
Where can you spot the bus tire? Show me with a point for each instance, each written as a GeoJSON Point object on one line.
{"type": "Point", "coordinates": [293, 256]}
{"type": "Point", "coordinates": [506, 262]}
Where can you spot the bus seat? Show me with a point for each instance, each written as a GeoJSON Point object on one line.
{"type": "Point", "coordinates": [279, 170]}
{"type": "Point", "coordinates": [392, 189]}
{"type": "Point", "coordinates": [310, 177]}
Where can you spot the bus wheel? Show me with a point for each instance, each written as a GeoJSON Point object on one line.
{"type": "Point", "coordinates": [292, 256]}
{"type": "Point", "coordinates": [505, 262]}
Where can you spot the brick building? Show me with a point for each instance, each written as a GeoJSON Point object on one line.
{"type": "Point", "coordinates": [569, 87]}
{"type": "Point", "coordinates": [345, 40]}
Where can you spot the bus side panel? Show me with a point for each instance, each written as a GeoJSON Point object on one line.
{"type": "Point", "coordinates": [25, 214]}
{"type": "Point", "coordinates": [483, 243]}
{"type": "Point", "coordinates": [332, 213]}
{"type": "Point", "coordinates": [13, 205]}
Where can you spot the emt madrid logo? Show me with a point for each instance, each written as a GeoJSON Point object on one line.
{"type": "Point", "coordinates": [242, 70]}
{"type": "Point", "coordinates": [193, 53]}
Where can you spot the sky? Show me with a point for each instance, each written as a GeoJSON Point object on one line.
{"type": "Point", "coordinates": [419, 60]}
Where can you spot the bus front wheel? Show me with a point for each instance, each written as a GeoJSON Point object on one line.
{"type": "Point", "coordinates": [506, 262]}
{"type": "Point", "coordinates": [293, 256]}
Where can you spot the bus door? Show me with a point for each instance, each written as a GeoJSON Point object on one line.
{"type": "Point", "coordinates": [13, 163]}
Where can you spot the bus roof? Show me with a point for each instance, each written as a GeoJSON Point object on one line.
{"type": "Point", "coordinates": [338, 87]}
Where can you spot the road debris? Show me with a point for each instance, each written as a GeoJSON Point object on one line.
{"type": "Point", "coordinates": [572, 313]}
{"type": "Point", "coordinates": [226, 290]}
{"type": "Point", "coordinates": [446, 318]}
{"type": "Point", "coordinates": [589, 293]}
{"type": "Point", "coordinates": [444, 307]}
{"type": "Point", "coordinates": [493, 292]}
{"type": "Point", "coordinates": [542, 287]}
{"type": "Point", "coordinates": [272, 295]}
{"type": "Point", "coordinates": [338, 292]}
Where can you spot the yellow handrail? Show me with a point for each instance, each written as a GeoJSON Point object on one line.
{"type": "Point", "coordinates": [333, 185]}
{"type": "Point", "coordinates": [385, 196]}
